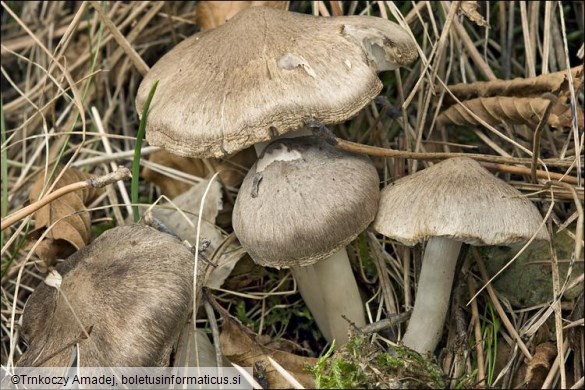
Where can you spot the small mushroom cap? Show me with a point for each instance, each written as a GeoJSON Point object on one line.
{"type": "Point", "coordinates": [264, 73]}
{"type": "Point", "coordinates": [312, 200]}
{"type": "Point", "coordinates": [459, 199]}
{"type": "Point", "coordinates": [133, 285]}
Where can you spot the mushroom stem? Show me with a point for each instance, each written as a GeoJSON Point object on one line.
{"type": "Point", "coordinates": [329, 289]}
{"type": "Point", "coordinates": [433, 293]}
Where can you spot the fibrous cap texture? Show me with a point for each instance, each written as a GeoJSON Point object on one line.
{"type": "Point", "coordinates": [457, 198]}
{"type": "Point", "coordinates": [264, 73]}
{"type": "Point", "coordinates": [131, 289]}
{"type": "Point", "coordinates": [311, 201]}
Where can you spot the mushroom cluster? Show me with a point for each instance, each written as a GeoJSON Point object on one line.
{"type": "Point", "coordinates": [264, 74]}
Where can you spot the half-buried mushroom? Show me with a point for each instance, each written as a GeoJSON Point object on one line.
{"type": "Point", "coordinates": [130, 291]}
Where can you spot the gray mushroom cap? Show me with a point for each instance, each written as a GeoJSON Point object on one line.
{"type": "Point", "coordinates": [264, 73]}
{"type": "Point", "coordinates": [458, 199]}
{"type": "Point", "coordinates": [311, 201]}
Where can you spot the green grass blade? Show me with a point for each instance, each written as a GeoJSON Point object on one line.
{"type": "Point", "coordinates": [137, 152]}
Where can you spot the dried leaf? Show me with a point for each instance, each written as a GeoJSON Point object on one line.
{"type": "Point", "coordinates": [555, 83]}
{"type": "Point", "coordinates": [539, 366]}
{"type": "Point", "coordinates": [241, 346]}
{"type": "Point", "coordinates": [73, 231]}
{"type": "Point", "coordinates": [233, 170]}
{"type": "Point", "coordinates": [211, 14]}
{"type": "Point", "coordinates": [469, 9]}
{"type": "Point", "coordinates": [511, 110]}
{"type": "Point", "coordinates": [189, 202]}
{"type": "Point", "coordinates": [194, 349]}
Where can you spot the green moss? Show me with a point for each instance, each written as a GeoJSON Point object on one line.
{"type": "Point", "coordinates": [361, 364]}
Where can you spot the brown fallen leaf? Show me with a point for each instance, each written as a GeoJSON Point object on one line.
{"type": "Point", "coordinates": [241, 346]}
{"type": "Point", "coordinates": [539, 366]}
{"type": "Point", "coordinates": [233, 170]}
{"type": "Point", "coordinates": [556, 83]}
{"type": "Point", "coordinates": [512, 110]}
{"type": "Point", "coordinates": [211, 14]}
{"type": "Point", "coordinates": [72, 231]}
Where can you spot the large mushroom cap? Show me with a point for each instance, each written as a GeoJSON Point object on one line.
{"type": "Point", "coordinates": [458, 199]}
{"type": "Point", "coordinates": [265, 72]}
{"type": "Point", "coordinates": [311, 201]}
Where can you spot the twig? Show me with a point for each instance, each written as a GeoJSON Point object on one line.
{"type": "Point", "coordinates": [122, 173]}
{"type": "Point", "coordinates": [386, 323]}
{"type": "Point", "coordinates": [536, 140]}
{"type": "Point", "coordinates": [322, 131]}
{"type": "Point", "coordinates": [526, 171]}
{"type": "Point", "coordinates": [84, 335]}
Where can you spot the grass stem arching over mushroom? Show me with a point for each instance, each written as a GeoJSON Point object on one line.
{"type": "Point", "coordinates": [452, 202]}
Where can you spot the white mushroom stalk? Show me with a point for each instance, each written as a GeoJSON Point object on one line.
{"type": "Point", "coordinates": [432, 295]}
{"type": "Point", "coordinates": [453, 201]}
{"type": "Point", "coordinates": [329, 290]}
{"type": "Point", "coordinates": [313, 200]}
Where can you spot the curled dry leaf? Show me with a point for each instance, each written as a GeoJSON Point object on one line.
{"type": "Point", "coordinates": [539, 366]}
{"type": "Point", "coordinates": [512, 110]}
{"type": "Point", "coordinates": [241, 346]}
{"type": "Point", "coordinates": [469, 9]}
{"type": "Point", "coordinates": [211, 14]}
{"type": "Point", "coordinates": [73, 224]}
{"type": "Point", "coordinates": [556, 83]}
{"type": "Point", "coordinates": [233, 170]}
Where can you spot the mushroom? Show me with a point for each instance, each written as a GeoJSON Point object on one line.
{"type": "Point", "coordinates": [299, 206]}
{"type": "Point", "coordinates": [265, 72]}
{"type": "Point", "coordinates": [451, 202]}
{"type": "Point", "coordinates": [130, 290]}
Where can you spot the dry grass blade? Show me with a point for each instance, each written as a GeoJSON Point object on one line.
{"type": "Point", "coordinates": [210, 14]}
